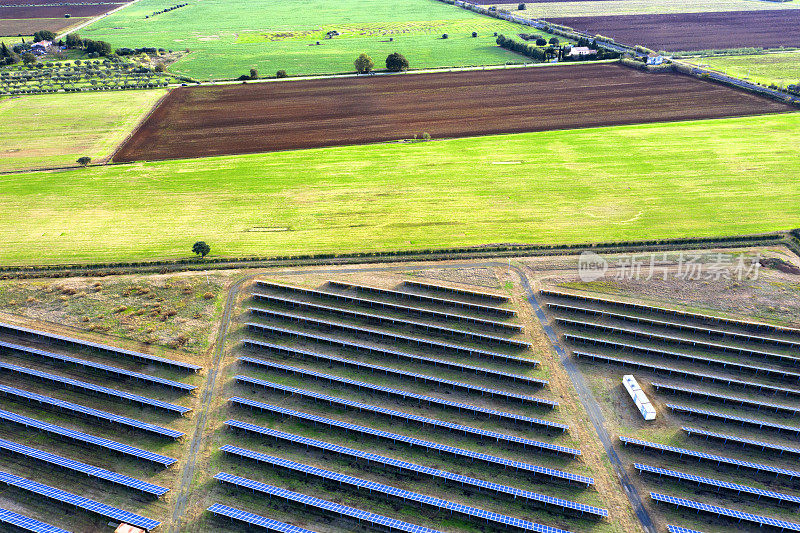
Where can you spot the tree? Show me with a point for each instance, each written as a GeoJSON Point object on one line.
{"type": "Point", "coordinates": [281, 74]}
{"type": "Point", "coordinates": [253, 74]}
{"type": "Point", "coordinates": [363, 64]}
{"type": "Point", "coordinates": [28, 58]}
{"type": "Point", "coordinates": [201, 248]}
{"type": "Point", "coordinates": [74, 40]}
{"type": "Point", "coordinates": [84, 161]}
{"type": "Point", "coordinates": [445, 36]}
{"type": "Point", "coordinates": [540, 42]}
{"type": "Point", "coordinates": [396, 62]}
{"type": "Point", "coordinates": [159, 67]}
{"type": "Point", "coordinates": [474, 34]}
{"type": "Point", "coordinates": [521, 7]}
{"type": "Point", "coordinates": [43, 35]}
{"type": "Point", "coordinates": [553, 41]}
{"type": "Point", "coordinates": [7, 55]}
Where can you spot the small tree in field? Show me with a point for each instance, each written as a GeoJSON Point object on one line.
{"type": "Point", "coordinates": [84, 161]}
{"type": "Point", "coordinates": [253, 74]}
{"type": "Point", "coordinates": [445, 36]}
{"type": "Point", "coordinates": [521, 7]}
{"type": "Point", "coordinates": [363, 64]}
{"type": "Point", "coordinates": [396, 62]}
{"type": "Point", "coordinates": [281, 74]}
{"type": "Point", "coordinates": [201, 248]}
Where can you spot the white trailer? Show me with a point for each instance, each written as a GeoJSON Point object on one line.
{"type": "Point", "coordinates": [639, 397]}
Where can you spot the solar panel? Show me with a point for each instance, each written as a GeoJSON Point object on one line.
{"type": "Point", "coordinates": [725, 399]}
{"type": "Point", "coordinates": [396, 372]}
{"type": "Point", "coordinates": [75, 466]}
{"type": "Point", "coordinates": [20, 394]}
{"type": "Point", "coordinates": [678, 529]}
{"type": "Point", "coordinates": [434, 472]}
{"type": "Point", "coordinates": [80, 502]}
{"type": "Point", "coordinates": [419, 397]}
{"type": "Point", "coordinates": [457, 290]}
{"type": "Point", "coordinates": [467, 430]}
{"type": "Point", "coordinates": [356, 345]}
{"type": "Point", "coordinates": [760, 424]}
{"type": "Point", "coordinates": [27, 524]}
{"type": "Point", "coordinates": [744, 442]}
{"type": "Point", "coordinates": [739, 516]}
{"type": "Point", "coordinates": [323, 505]}
{"type": "Point", "coordinates": [717, 484]}
{"type": "Point", "coordinates": [689, 374]}
{"type": "Point", "coordinates": [441, 315]}
{"type": "Point", "coordinates": [121, 372]}
{"type": "Point", "coordinates": [255, 520]}
{"type": "Point", "coordinates": [388, 490]}
{"type": "Point", "coordinates": [709, 457]}
{"type": "Point", "coordinates": [102, 347]}
{"type": "Point", "coordinates": [105, 391]}
{"type": "Point", "coordinates": [394, 437]}
{"type": "Point", "coordinates": [384, 319]}
{"type": "Point", "coordinates": [428, 299]}
{"type": "Point", "coordinates": [86, 438]}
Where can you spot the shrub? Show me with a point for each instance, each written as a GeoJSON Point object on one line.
{"type": "Point", "coordinates": [553, 41]}
{"type": "Point", "coordinates": [474, 34]}
{"type": "Point", "coordinates": [444, 36]}
{"type": "Point", "coordinates": [281, 74]}
{"type": "Point", "coordinates": [540, 42]}
{"type": "Point", "coordinates": [521, 7]}
{"type": "Point", "coordinates": [253, 74]}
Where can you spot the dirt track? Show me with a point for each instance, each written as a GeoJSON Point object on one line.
{"type": "Point", "coordinates": [696, 31]}
{"type": "Point", "coordinates": [236, 119]}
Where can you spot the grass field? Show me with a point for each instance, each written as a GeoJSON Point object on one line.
{"type": "Point", "coordinates": [630, 182]}
{"type": "Point", "coordinates": [226, 39]}
{"type": "Point", "coordinates": [54, 130]}
{"type": "Point", "coordinates": [781, 68]}
{"type": "Point", "coordinates": [635, 7]}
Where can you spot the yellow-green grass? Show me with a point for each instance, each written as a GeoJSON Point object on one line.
{"type": "Point", "coordinates": [54, 130]}
{"type": "Point", "coordinates": [700, 178]}
{"type": "Point", "coordinates": [635, 7]}
{"type": "Point", "coordinates": [780, 68]}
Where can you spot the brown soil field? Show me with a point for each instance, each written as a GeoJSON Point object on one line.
{"type": "Point", "coordinates": [260, 117]}
{"type": "Point", "coordinates": [55, 11]}
{"type": "Point", "coordinates": [696, 31]}
{"type": "Point", "coordinates": [13, 27]}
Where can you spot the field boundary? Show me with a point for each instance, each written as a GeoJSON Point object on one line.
{"type": "Point", "coordinates": [135, 128]}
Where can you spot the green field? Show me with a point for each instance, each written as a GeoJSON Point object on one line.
{"type": "Point", "coordinates": [634, 7]}
{"type": "Point", "coordinates": [703, 178]}
{"type": "Point", "coordinates": [54, 130]}
{"type": "Point", "coordinates": [227, 38]}
{"type": "Point", "coordinates": [780, 68]}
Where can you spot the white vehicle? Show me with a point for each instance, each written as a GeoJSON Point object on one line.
{"type": "Point", "coordinates": [639, 397]}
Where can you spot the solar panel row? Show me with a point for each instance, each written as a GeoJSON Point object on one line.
{"type": "Point", "coordinates": [80, 502]}
{"type": "Point", "coordinates": [726, 399]}
{"type": "Point", "coordinates": [760, 424]}
{"type": "Point", "coordinates": [434, 472]}
{"type": "Point", "coordinates": [678, 529]}
{"type": "Point", "coordinates": [89, 387]}
{"type": "Point", "coordinates": [411, 395]}
{"type": "Point", "coordinates": [255, 520]}
{"type": "Point", "coordinates": [702, 456]}
{"type": "Point", "coordinates": [86, 438]}
{"type": "Point", "coordinates": [323, 505]}
{"type": "Point", "coordinates": [384, 319]}
{"type": "Point", "coordinates": [418, 311]}
{"type": "Point", "coordinates": [744, 442]}
{"type": "Point", "coordinates": [360, 346]}
{"type": "Point", "coordinates": [411, 441]}
{"type": "Point", "coordinates": [422, 298]}
{"type": "Point", "coordinates": [688, 374]}
{"type": "Point", "coordinates": [457, 290]}
{"type": "Point", "coordinates": [27, 524]}
{"type": "Point", "coordinates": [387, 490]}
{"type": "Point", "coordinates": [739, 516]}
{"type": "Point", "coordinates": [10, 328]}
{"type": "Point", "coordinates": [75, 408]}
{"type": "Point", "coordinates": [717, 484]}
{"type": "Point", "coordinates": [394, 371]}
{"type": "Point", "coordinates": [121, 372]}
{"type": "Point", "coordinates": [89, 470]}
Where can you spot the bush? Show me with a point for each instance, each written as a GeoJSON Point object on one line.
{"type": "Point", "coordinates": [444, 36]}
{"type": "Point", "coordinates": [521, 7]}
{"type": "Point", "coordinates": [396, 62]}
{"type": "Point", "coordinates": [540, 42]}
{"type": "Point", "coordinates": [253, 74]}
{"type": "Point", "coordinates": [474, 34]}
{"type": "Point", "coordinates": [159, 67]}
{"type": "Point", "coordinates": [281, 74]}
{"type": "Point", "coordinates": [553, 41]}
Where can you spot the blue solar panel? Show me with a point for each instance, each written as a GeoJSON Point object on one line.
{"type": "Point", "coordinates": [396, 372]}
{"type": "Point", "coordinates": [688, 373]}
{"type": "Point", "coordinates": [324, 505]}
{"type": "Point", "coordinates": [744, 442]}
{"type": "Point", "coordinates": [725, 399]}
{"type": "Point", "coordinates": [678, 529]}
{"type": "Point", "coordinates": [121, 372]}
{"type": "Point", "coordinates": [406, 356]}
{"type": "Point", "coordinates": [411, 467]}
{"type": "Point", "coordinates": [86, 438]}
{"type": "Point", "coordinates": [102, 347]}
{"type": "Point", "coordinates": [723, 511]}
{"type": "Point", "coordinates": [75, 466]}
{"type": "Point", "coordinates": [716, 483]}
{"type": "Point", "coordinates": [255, 520]}
{"type": "Point", "coordinates": [457, 290]}
{"type": "Point", "coordinates": [420, 397]}
{"type": "Point", "coordinates": [80, 502]}
{"type": "Point", "coordinates": [27, 524]}
{"type": "Point", "coordinates": [349, 344]}
{"type": "Point", "coordinates": [88, 411]}
{"type": "Point", "coordinates": [709, 457]}
{"type": "Point", "coordinates": [761, 424]}
{"type": "Point", "coordinates": [105, 391]}
{"type": "Point", "coordinates": [391, 491]}
{"type": "Point", "coordinates": [441, 315]}
{"type": "Point", "coordinates": [394, 437]}
{"type": "Point", "coordinates": [421, 419]}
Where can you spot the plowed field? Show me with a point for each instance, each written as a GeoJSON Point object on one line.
{"type": "Point", "coordinates": [261, 117]}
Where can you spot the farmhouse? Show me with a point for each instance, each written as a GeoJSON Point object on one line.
{"type": "Point", "coordinates": [41, 47]}
{"type": "Point", "coordinates": [580, 51]}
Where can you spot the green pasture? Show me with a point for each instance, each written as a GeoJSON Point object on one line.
{"type": "Point", "coordinates": [591, 8]}
{"type": "Point", "coordinates": [780, 68]}
{"type": "Point", "coordinates": [701, 178]}
{"type": "Point", "coordinates": [227, 38]}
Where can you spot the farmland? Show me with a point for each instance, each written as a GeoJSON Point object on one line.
{"type": "Point", "coordinates": [277, 116]}
{"type": "Point", "coordinates": [24, 17]}
{"type": "Point", "coordinates": [591, 8]}
{"type": "Point", "coordinates": [696, 31]}
{"type": "Point", "coordinates": [780, 68]}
